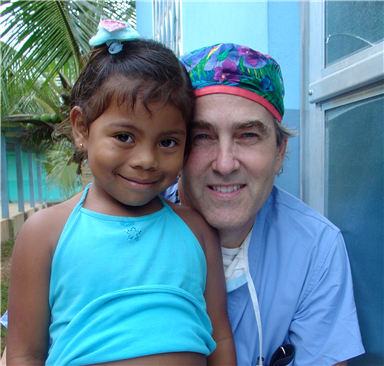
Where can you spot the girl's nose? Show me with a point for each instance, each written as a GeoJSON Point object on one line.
{"type": "Point", "coordinates": [145, 158]}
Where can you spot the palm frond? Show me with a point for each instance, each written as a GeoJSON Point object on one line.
{"type": "Point", "coordinates": [61, 172]}
{"type": "Point", "coordinates": [52, 32]}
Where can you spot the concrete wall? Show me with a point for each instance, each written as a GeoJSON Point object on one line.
{"type": "Point", "coordinates": [11, 226]}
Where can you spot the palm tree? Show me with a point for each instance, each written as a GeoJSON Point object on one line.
{"type": "Point", "coordinates": [43, 44]}
{"type": "Point", "coordinates": [49, 34]}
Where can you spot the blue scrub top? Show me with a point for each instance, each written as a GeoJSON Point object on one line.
{"type": "Point", "coordinates": [301, 272]}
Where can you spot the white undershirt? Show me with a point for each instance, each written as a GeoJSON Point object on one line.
{"type": "Point", "coordinates": [236, 271]}
{"type": "Point", "coordinates": [234, 260]}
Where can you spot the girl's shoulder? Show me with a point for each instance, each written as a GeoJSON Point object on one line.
{"type": "Point", "coordinates": [56, 214]}
{"type": "Point", "coordinates": [196, 223]}
{"type": "Point", "coordinates": [45, 226]}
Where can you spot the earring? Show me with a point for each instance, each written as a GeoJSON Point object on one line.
{"type": "Point", "coordinates": [81, 145]}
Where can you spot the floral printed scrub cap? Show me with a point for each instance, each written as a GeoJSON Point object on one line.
{"type": "Point", "coordinates": [232, 69]}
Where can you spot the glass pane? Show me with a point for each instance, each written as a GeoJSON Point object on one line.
{"type": "Point", "coordinates": [167, 25]}
{"type": "Point", "coordinates": [355, 203]}
{"type": "Point", "coordinates": [351, 26]}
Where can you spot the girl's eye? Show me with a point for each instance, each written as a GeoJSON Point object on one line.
{"type": "Point", "coordinates": [124, 137]}
{"type": "Point", "coordinates": [168, 143]}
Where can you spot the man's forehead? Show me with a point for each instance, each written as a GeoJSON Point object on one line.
{"type": "Point", "coordinates": [215, 110]}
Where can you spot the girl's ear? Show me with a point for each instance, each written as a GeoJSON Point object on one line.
{"type": "Point", "coordinates": [79, 128]}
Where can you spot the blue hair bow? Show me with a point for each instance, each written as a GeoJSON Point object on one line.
{"type": "Point", "coordinates": [112, 32]}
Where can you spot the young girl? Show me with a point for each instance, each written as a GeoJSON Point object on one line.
{"type": "Point", "coordinates": [116, 275]}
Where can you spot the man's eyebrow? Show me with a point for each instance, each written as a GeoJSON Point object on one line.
{"type": "Point", "coordinates": [204, 125]}
{"type": "Point", "coordinates": [250, 124]}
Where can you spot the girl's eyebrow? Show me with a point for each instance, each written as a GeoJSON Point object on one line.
{"type": "Point", "coordinates": [121, 124]}
{"type": "Point", "coordinates": [174, 132]}
{"type": "Point", "coordinates": [177, 131]}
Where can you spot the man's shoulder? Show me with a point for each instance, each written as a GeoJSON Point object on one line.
{"type": "Point", "coordinates": [284, 203]}
{"type": "Point", "coordinates": [296, 220]}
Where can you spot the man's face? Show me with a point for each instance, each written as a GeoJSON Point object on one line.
{"type": "Point", "coordinates": [234, 158]}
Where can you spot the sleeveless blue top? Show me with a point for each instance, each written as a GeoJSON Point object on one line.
{"type": "Point", "coordinates": [125, 287]}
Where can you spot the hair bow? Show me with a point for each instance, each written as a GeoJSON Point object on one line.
{"type": "Point", "coordinates": [112, 32]}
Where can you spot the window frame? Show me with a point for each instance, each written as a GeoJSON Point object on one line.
{"type": "Point", "coordinates": [167, 24]}
{"type": "Point", "coordinates": [351, 79]}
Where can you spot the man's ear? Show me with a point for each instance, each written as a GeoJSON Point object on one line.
{"type": "Point", "coordinates": [79, 127]}
{"type": "Point", "coordinates": [281, 150]}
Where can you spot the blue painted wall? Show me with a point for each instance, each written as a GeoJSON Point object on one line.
{"type": "Point", "coordinates": [144, 18]}
{"type": "Point", "coordinates": [51, 193]}
{"type": "Point", "coordinates": [12, 178]}
{"type": "Point", "coordinates": [284, 46]}
{"type": "Point", "coordinates": [206, 23]}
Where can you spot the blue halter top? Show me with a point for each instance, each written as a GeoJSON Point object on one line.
{"type": "Point", "coordinates": [125, 287]}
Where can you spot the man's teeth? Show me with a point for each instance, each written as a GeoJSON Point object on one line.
{"type": "Point", "coordinates": [227, 189]}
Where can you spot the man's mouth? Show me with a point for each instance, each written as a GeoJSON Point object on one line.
{"type": "Point", "coordinates": [227, 189]}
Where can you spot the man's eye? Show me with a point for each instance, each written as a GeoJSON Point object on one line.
{"type": "Point", "coordinates": [124, 137]}
{"type": "Point", "coordinates": [250, 135]}
{"type": "Point", "coordinates": [202, 136]}
{"type": "Point", "coordinates": [168, 143]}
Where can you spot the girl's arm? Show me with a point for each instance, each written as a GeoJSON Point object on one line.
{"type": "Point", "coordinates": [215, 290]}
{"type": "Point", "coordinates": [28, 300]}
{"type": "Point", "coordinates": [216, 299]}
{"type": "Point", "coordinates": [28, 308]}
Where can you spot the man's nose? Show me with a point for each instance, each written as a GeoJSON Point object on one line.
{"type": "Point", "coordinates": [225, 161]}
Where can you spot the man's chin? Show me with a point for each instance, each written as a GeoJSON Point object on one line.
{"type": "Point", "coordinates": [223, 220]}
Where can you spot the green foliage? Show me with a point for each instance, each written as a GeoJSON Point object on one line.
{"type": "Point", "coordinates": [61, 169]}
{"type": "Point", "coordinates": [46, 35]}
{"type": "Point", "coordinates": [43, 39]}
{"type": "Point", "coordinates": [6, 249]}
{"type": "Point", "coordinates": [6, 252]}
{"type": "Point", "coordinates": [4, 301]}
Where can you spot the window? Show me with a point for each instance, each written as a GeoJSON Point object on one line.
{"type": "Point", "coordinates": [342, 157]}
{"type": "Point", "coordinates": [346, 29]}
{"type": "Point", "coordinates": [167, 23]}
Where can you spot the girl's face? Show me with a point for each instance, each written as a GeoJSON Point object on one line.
{"type": "Point", "coordinates": [133, 155]}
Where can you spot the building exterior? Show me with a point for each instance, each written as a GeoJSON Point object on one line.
{"type": "Point", "coordinates": [332, 57]}
{"type": "Point", "coordinates": [24, 186]}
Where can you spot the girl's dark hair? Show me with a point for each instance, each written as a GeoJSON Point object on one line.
{"type": "Point", "coordinates": [143, 69]}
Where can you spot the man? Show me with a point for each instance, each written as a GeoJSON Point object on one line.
{"type": "Point", "coordinates": [287, 270]}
